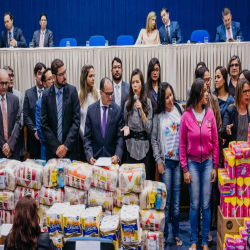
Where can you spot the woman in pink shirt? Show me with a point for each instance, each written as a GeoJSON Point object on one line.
{"type": "Point", "coordinates": [150, 35]}
{"type": "Point", "coordinates": [199, 157]}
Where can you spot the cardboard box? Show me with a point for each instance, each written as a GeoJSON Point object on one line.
{"type": "Point", "coordinates": [228, 225]}
{"type": "Point", "coordinates": [219, 243]}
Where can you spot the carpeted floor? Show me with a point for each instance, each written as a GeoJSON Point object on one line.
{"type": "Point", "coordinates": [185, 236]}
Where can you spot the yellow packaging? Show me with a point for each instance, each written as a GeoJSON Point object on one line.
{"type": "Point", "coordinates": [229, 157]}
{"type": "Point", "coordinates": [224, 178]}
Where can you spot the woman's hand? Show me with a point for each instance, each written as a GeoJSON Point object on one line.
{"type": "Point", "coordinates": [126, 130]}
{"type": "Point", "coordinates": [214, 176]}
{"type": "Point", "coordinates": [161, 168]}
{"type": "Point", "coordinates": [187, 178]}
{"type": "Point", "coordinates": [138, 105]}
{"type": "Point", "coordinates": [229, 129]}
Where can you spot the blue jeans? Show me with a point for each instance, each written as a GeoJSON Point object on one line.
{"type": "Point", "coordinates": [200, 195]}
{"type": "Point", "coordinates": [172, 179]}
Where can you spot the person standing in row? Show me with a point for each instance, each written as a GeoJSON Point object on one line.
{"type": "Point", "coordinates": [138, 115]}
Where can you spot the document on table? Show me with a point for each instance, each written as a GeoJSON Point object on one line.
{"type": "Point", "coordinates": [104, 162]}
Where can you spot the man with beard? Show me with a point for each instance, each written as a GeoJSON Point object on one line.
{"type": "Point", "coordinates": [121, 88]}
{"type": "Point", "coordinates": [29, 112]}
{"type": "Point", "coordinates": [60, 116]}
{"type": "Point", "coordinates": [21, 140]}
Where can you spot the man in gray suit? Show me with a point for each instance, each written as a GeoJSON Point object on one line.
{"type": "Point", "coordinates": [43, 37]}
{"type": "Point", "coordinates": [10, 116]}
{"type": "Point", "coordinates": [21, 141]}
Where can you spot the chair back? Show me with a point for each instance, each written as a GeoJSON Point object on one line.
{"type": "Point", "coordinates": [97, 41]}
{"type": "Point", "coordinates": [63, 42]}
{"type": "Point", "coordinates": [198, 36]}
{"type": "Point", "coordinates": [125, 40]}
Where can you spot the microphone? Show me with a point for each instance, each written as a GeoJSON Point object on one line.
{"type": "Point", "coordinates": [139, 111]}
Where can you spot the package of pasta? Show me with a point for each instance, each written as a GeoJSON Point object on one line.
{"type": "Point", "coordinates": [100, 197]}
{"type": "Point", "coordinates": [152, 220]}
{"type": "Point", "coordinates": [10, 174]}
{"type": "Point", "coordinates": [50, 196]}
{"type": "Point", "coordinates": [30, 175]}
{"type": "Point", "coordinates": [22, 191]}
{"type": "Point", "coordinates": [152, 240]}
{"type": "Point", "coordinates": [53, 172]}
{"type": "Point", "coordinates": [78, 175]}
{"type": "Point", "coordinates": [7, 216]}
{"type": "Point", "coordinates": [131, 178]}
{"type": "Point", "coordinates": [42, 210]}
{"type": "Point", "coordinates": [105, 178]}
{"type": "Point", "coordinates": [154, 195]}
{"type": "Point", "coordinates": [7, 200]}
{"type": "Point", "coordinates": [75, 196]}
{"type": "Point", "coordinates": [121, 199]}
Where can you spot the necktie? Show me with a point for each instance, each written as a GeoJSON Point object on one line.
{"type": "Point", "coordinates": [117, 95]}
{"type": "Point", "coordinates": [228, 33]}
{"type": "Point", "coordinates": [5, 120]}
{"type": "Point", "coordinates": [10, 36]}
{"type": "Point", "coordinates": [41, 41]}
{"type": "Point", "coordinates": [59, 116]}
{"type": "Point", "coordinates": [40, 91]}
{"type": "Point", "coordinates": [104, 121]}
{"type": "Point", "coordinates": [167, 31]}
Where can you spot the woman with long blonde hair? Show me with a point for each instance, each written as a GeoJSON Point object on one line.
{"type": "Point", "coordinates": [150, 35]}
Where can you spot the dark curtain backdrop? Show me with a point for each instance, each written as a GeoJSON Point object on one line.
{"type": "Point", "coordinates": [111, 18]}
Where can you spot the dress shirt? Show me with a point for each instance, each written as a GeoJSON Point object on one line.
{"type": "Point", "coordinates": [8, 34]}
{"type": "Point", "coordinates": [5, 103]}
{"type": "Point", "coordinates": [38, 92]}
{"type": "Point", "coordinates": [120, 92]}
{"type": "Point", "coordinates": [43, 36]}
{"type": "Point", "coordinates": [107, 110]}
{"type": "Point", "coordinates": [231, 32]}
{"type": "Point", "coordinates": [56, 89]}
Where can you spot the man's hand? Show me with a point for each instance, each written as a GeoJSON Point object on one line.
{"type": "Point", "coordinates": [13, 42]}
{"type": "Point", "coordinates": [230, 40]}
{"type": "Point", "coordinates": [61, 151]}
{"type": "Point", "coordinates": [36, 136]}
{"type": "Point", "coordinates": [114, 159]}
{"type": "Point", "coordinates": [6, 149]}
{"type": "Point", "coordinates": [92, 161]}
{"type": "Point", "coordinates": [126, 130]}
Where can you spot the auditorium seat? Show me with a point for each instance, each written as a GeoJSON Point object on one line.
{"type": "Point", "coordinates": [198, 36]}
{"type": "Point", "coordinates": [125, 40]}
{"type": "Point", "coordinates": [97, 41]}
{"type": "Point", "coordinates": [63, 42]}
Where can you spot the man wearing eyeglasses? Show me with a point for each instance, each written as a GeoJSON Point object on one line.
{"type": "Point", "coordinates": [10, 120]}
{"type": "Point", "coordinates": [60, 116]}
{"type": "Point", "coordinates": [47, 82]}
{"type": "Point", "coordinates": [29, 112]}
{"type": "Point", "coordinates": [102, 136]}
{"type": "Point", "coordinates": [21, 141]}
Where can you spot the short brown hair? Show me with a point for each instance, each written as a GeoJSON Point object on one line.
{"type": "Point", "coordinates": [55, 65]}
{"type": "Point", "coordinates": [225, 12]}
{"type": "Point", "coordinates": [231, 59]}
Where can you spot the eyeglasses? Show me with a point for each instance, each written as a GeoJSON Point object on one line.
{"type": "Point", "coordinates": [246, 91]}
{"type": "Point", "coordinates": [4, 83]}
{"type": "Point", "coordinates": [207, 79]}
{"type": "Point", "coordinates": [108, 94]}
{"type": "Point", "coordinates": [234, 65]}
{"type": "Point", "coordinates": [117, 67]}
{"type": "Point", "coordinates": [156, 70]}
{"type": "Point", "coordinates": [62, 74]}
{"type": "Point", "coordinates": [11, 75]}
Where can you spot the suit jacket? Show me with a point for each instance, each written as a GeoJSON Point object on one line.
{"type": "Point", "coordinates": [124, 94]}
{"type": "Point", "coordinates": [14, 125]}
{"type": "Point", "coordinates": [48, 39]}
{"type": "Point", "coordinates": [29, 118]}
{"type": "Point", "coordinates": [175, 32]}
{"type": "Point", "coordinates": [221, 32]}
{"type": "Point", "coordinates": [93, 142]}
{"type": "Point", "coordinates": [70, 121]}
{"type": "Point", "coordinates": [17, 35]}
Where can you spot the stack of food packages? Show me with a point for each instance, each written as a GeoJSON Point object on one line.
{"type": "Point", "coordinates": [237, 241]}
{"type": "Point", "coordinates": [234, 183]}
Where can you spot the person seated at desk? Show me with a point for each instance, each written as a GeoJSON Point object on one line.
{"type": "Point", "coordinates": [169, 30]}
{"type": "Point", "coordinates": [12, 36]}
{"type": "Point", "coordinates": [228, 31]}
{"type": "Point", "coordinates": [150, 35]}
{"type": "Point", "coordinates": [43, 37]}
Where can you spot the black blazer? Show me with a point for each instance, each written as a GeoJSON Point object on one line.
{"type": "Point", "coordinates": [70, 121]}
{"type": "Point", "coordinates": [151, 97]}
{"type": "Point", "coordinates": [124, 94]}
{"type": "Point", "coordinates": [43, 242]}
{"type": "Point", "coordinates": [231, 117]}
{"type": "Point", "coordinates": [93, 142]}
{"type": "Point", "coordinates": [17, 35]}
{"type": "Point", "coordinates": [14, 126]}
{"type": "Point", "coordinates": [29, 119]}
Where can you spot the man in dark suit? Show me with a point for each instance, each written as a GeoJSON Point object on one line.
{"type": "Point", "coordinates": [102, 136]}
{"type": "Point", "coordinates": [43, 37]}
{"type": "Point", "coordinates": [169, 30]}
{"type": "Point", "coordinates": [60, 116]}
{"type": "Point", "coordinates": [229, 30]}
{"type": "Point", "coordinates": [12, 36]}
{"type": "Point", "coordinates": [29, 113]}
{"type": "Point", "coordinates": [10, 119]}
{"type": "Point", "coordinates": [121, 88]}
